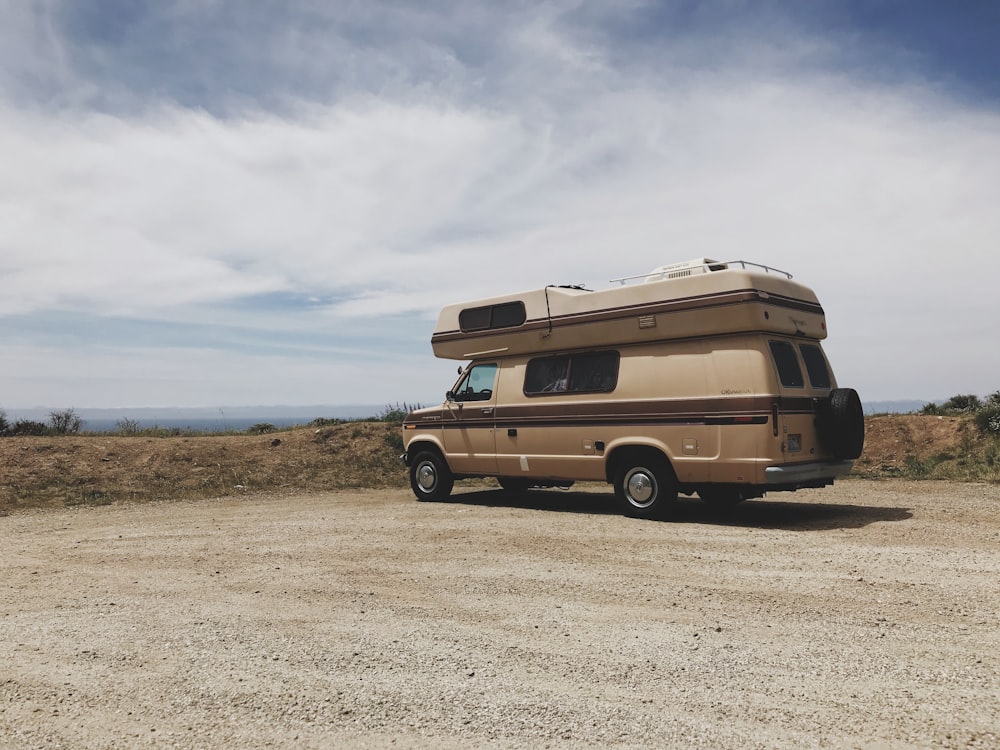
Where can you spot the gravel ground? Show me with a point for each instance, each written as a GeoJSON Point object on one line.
{"type": "Point", "coordinates": [863, 615]}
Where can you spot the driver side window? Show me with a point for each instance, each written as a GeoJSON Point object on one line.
{"type": "Point", "coordinates": [477, 385]}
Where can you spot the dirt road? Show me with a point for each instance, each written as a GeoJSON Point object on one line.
{"type": "Point", "coordinates": [864, 615]}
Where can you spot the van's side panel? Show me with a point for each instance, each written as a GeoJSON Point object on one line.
{"type": "Point", "coordinates": [743, 420]}
{"type": "Point", "coordinates": [549, 437]}
{"type": "Point", "coordinates": [469, 437]}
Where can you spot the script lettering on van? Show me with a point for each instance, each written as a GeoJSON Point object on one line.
{"type": "Point", "coordinates": [735, 391]}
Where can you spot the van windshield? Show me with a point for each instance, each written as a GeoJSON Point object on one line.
{"type": "Point", "coordinates": [477, 385]}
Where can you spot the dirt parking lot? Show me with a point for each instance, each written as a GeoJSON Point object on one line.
{"type": "Point", "coordinates": [864, 615]}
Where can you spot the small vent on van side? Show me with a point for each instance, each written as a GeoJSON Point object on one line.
{"type": "Point", "coordinates": [679, 274]}
{"type": "Point", "coordinates": [647, 321]}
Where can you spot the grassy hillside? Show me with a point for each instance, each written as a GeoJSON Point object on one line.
{"type": "Point", "coordinates": [99, 469]}
{"type": "Point", "coordinates": [62, 470]}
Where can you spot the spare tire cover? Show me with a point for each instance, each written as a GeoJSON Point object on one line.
{"type": "Point", "coordinates": [845, 428]}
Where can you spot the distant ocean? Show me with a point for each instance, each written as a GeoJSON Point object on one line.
{"type": "Point", "coordinates": [233, 418]}
{"type": "Point", "coordinates": [194, 425]}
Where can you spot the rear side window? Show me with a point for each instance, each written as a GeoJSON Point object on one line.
{"type": "Point", "coordinates": [591, 372]}
{"type": "Point", "coordinates": [789, 372]}
{"type": "Point", "coordinates": [504, 315]}
{"type": "Point", "coordinates": [819, 374]}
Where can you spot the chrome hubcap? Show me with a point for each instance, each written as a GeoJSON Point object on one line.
{"type": "Point", "coordinates": [641, 488]}
{"type": "Point", "coordinates": [426, 477]}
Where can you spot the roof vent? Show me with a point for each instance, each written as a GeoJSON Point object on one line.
{"type": "Point", "coordinates": [687, 268]}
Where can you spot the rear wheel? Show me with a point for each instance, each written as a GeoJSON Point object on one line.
{"type": "Point", "coordinates": [646, 487]}
{"type": "Point", "coordinates": [430, 477]}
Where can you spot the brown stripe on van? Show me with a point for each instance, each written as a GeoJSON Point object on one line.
{"type": "Point", "coordinates": [694, 407]}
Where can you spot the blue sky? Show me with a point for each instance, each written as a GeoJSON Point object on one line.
{"type": "Point", "coordinates": [210, 202]}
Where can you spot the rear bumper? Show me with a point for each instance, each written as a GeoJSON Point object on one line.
{"type": "Point", "coordinates": [799, 474]}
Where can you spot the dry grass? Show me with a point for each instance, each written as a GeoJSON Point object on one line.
{"type": "Point", "coordinates": [917, 446]}
{"type": "Point", "coordinates": [97, 469]}
{"type": "Point", "coordinates": [59, 471]}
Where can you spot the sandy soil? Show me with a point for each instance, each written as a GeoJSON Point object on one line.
{"type": "Point", "coordinates": [863, 615]}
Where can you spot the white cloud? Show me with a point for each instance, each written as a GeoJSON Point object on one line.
{"type": "Point", "coordinates": [579, 162]}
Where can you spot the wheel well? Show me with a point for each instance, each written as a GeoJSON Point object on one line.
{"type": "Point", "coordinates": [422, 445]}
{"type": "Point", "coordinates": [633, 454]}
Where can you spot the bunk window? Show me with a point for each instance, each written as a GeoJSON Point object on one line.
{"type": "Point", "coordinates": [504, 315]}
{"type": "Point", "coordinates": [591, 372]}
{"type": "Point", "coordinates": [789, 372]}
{"type": "Point", "coordinates": [819, 374]}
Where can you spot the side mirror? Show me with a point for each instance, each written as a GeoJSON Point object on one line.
{"type": "Point", "coordinates": [450, 395]}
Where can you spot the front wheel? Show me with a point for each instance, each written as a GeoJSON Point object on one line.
{"type": "Point", "coordinates": [430, 477]}
{"type": "Point", "coordinates": [646, 487]}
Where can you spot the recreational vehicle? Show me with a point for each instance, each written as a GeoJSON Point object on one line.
{"type": "Point", "coordinates": [701, 377]}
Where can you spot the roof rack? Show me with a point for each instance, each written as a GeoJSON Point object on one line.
{"type": "Point", "coordinates": [698, 266]}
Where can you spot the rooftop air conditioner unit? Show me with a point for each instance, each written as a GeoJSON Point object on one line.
{"type": "Point", "coordinates": [687, 268]}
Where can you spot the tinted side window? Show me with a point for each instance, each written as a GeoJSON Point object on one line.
{"type": "Point", "coordinates": [508, 315]}
{"type": "Point", "coordinates": [547, 375]}
{"type": "Point", "coordinates": [504, 315]}
{"type": "Point", "coordinates": [789, 372]}
{"type": "Point", "coordinates": [577, 373]}
{"type": "Point", "coordinates": [819, 375]}
{"type": "Point", "coordinates": [594, 372]}
{"type": "Point", "coordinates": [474, 319]}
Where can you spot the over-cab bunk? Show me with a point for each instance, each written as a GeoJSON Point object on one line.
{"type": "Point", "coordinates": [697, 298]}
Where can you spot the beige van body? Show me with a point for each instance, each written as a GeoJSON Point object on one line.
{"type": "Point", "coordinates": [699, 377]}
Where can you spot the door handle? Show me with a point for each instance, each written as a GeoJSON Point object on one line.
{"type": "Point", "coordinates": [488, 410]}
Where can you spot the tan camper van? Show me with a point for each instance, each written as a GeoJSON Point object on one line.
{"type": "Point", "coordinates": [700, 377]}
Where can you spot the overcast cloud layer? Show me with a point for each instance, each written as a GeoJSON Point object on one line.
{"type": "Point", "coordinates": [208, 202]}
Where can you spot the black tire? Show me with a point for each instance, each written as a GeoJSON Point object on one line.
{"type": "Point", "coordinates": [430, 477]}
{"type": "Point", "coordinates": [721, 496]}
{"type": "Point", "coordinates": [645, 486]}
{"type": "Point", "coordinates": [513, 484]}
{"type": "Point", "coordinates": [845, 423]}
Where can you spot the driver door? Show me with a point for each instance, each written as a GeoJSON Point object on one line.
{"type": "Point", "coordinates": [469, 421]}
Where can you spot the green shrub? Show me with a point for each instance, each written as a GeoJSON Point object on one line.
{"type": "Point", "coordinates": [396, 412]}
{"type": "Point", "coordinates": [988, 420]}
{"type": "Point", "coordinates": [394, 440]}
{"type": "Point", "coordinates": [965, 403]}
{"type": "Point", "coordinates": [28, 427]}
{"type": "Point", "coordinates": [915, 468]}
{"type": "Point", "coordinates": [4, 424]}
{"type": "Point", "coordinates": [261, 428]}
